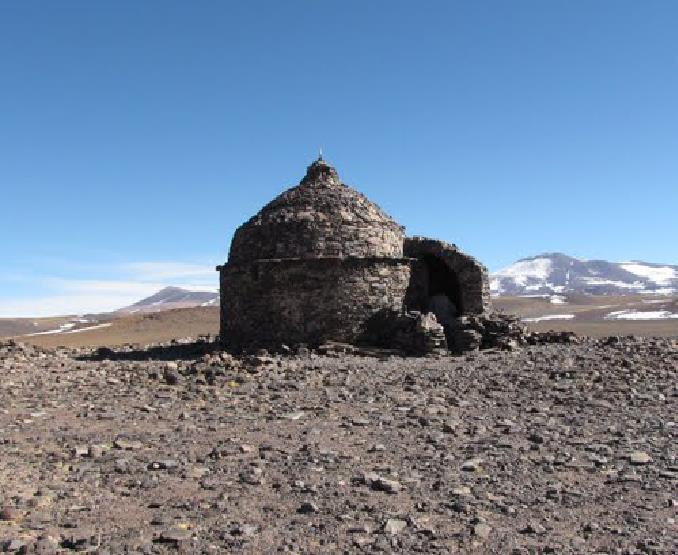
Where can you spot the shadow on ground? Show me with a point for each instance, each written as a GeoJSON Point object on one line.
{"type": "Point", "coordinates": [180, 351]}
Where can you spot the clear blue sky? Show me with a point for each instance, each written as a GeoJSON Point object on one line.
{"type": "Point", "coordinates": [136, 135]}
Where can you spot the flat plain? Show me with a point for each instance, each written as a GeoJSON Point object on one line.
{"type": "Point", "coordinates": [590, 317]}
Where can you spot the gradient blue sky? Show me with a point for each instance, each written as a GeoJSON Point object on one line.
{"type": "Point", "coordinates": [136, 135]}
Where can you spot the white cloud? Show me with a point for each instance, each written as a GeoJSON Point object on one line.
{"type": "Point", "coordinates": [97, 286]}
{"type": "Point", "coordinates": [61, 305]}
{"type": "Point", "coordinates": [118, 287]}
{"type": "Point", "coordinates": [169, 270]}
{"type": "Point", "coordinates": [56, 296]}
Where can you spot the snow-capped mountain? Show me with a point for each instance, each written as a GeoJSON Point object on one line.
{"type": "Point", "coordinates": [554, 273]}
{"type": "Point", "coordinates": [173, 297]}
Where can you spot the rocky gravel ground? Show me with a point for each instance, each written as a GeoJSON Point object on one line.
{"type": "Point", "coordinates": [561, 448]}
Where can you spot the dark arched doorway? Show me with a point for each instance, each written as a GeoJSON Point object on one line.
{"type": "Point", "coordinates": [434, 287]}
{"type": "Point", "coordinates": [458, 276]}
{"type": "Point", "coordinates": [442, 282]}
{"type": "Point", "coordinates": [443, 295]}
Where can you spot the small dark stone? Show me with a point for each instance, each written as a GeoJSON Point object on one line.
{"type": "Point", "coordinates": [307, 507]}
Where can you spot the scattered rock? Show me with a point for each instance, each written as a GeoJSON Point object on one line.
{"type": "Point", "coordinates": [127, 444]}
{"type": "Point", "coordinates": [95, 451]}
{"type": "Point", "coordinates": [472, 465]}
{"type": "Point", "coordinates": [380, 483]}
{"type": "Point", "coordinates": [9, 514]}
{"type": "Point", "coordinates": [482, 531]}
{"type": "Point", "coordinates": [165, 464]}
{"type": "Point", "coordinates": [307, 508]}
{"type": "Point", "coordinates": [639, 458]}
{"type": "Point", "coordinates": [175, 536]}
{"type": "Point", "coordinates": [533, 528]}
{"type": "Point", "coordinates": [13, 545]}
{"type": "Point", "coordinates": [532, 449]}
{"type": "Point", "coordinates": [394, 526]}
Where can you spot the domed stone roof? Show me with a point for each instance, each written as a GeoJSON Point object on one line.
{"type": "Point", "coordinates": [321, 217]}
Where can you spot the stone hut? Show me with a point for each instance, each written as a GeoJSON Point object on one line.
{"type": "Point", "coordinates": [323, 263]}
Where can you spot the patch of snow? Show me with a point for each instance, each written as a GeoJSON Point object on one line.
{"type": "Point", "coordinates": [641, 315]}
{"type": "Point", "coordinates": [661, 275]}
{"type": "Point", "coordinates": [621, 284]}
{"type": "Point", "coordinates": [91, 328]}
{"type": "Point", "coordinates": [558, 299]}
{"type": "Point", "coordinates": [40, 333]}
{"type": "Point", "coordinates": [521, 271]}
{"type": "Point", "coordinates": [660, 291]}
{"type": "Point", "coordinates": [536, 287]}
{"type": "Point", "coordinates": [67, 328]}
{"type": "Point", "coordinates": [63, 328]}
{"type": "Point", "coordinates": [550, 317]}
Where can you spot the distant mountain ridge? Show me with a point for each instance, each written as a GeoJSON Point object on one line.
{"type": "Point", "coordinates": [172, 297]}
{"type": "Point", "coordinates": [557, 273]}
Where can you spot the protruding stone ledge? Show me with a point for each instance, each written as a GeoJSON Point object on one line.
{"type": "Point", "coordinates": [329, 260]}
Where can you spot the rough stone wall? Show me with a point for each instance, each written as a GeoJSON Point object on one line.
{"type": "Point", "coordinates": [410, 332]}
{"type": "Point", "coordinates": [474, 285]}
{"type": "Point", "coordinates": [267, 303]}
{"type": "Point", "coordinates": [322, 262]}
{"type": "Point", "coordinates": [321, 217]}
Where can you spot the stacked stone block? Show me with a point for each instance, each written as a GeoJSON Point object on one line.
{"type": "Point", "coordinates": [323, 263]}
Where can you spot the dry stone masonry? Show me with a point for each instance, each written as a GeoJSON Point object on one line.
{"type": "Point", "coordinates": [323, 263]}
